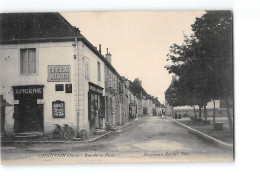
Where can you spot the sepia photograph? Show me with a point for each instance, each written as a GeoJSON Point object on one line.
{"type": "Point", "coordinates": [117, 87]}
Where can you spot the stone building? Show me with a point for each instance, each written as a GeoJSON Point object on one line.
{"type": "Point", "coordinates": [116, 96]}
{"type": "Point", "coordinates": [132, 99]}
{"type": "Point", "coordinates": [142, 98]}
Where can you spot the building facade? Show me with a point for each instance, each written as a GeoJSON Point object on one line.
{"type": "Point", "coordinates": [116, 96]}
{"type": "Point", "coordinates": [50, 73]}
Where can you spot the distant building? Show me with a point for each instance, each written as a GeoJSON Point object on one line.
{"type": "Point", "coordinates": [142, 97]}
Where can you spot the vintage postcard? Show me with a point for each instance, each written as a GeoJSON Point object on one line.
{"type": "Point", "coordinates": [116, 87]}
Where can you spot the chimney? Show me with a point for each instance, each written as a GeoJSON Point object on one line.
{"type": "Point", "coordinates": [108, 57]}
{"type": "Point", "coordinates": [139, 81]}
{"type": "Point", "coordinates": [127, 82]}
{"type": "Point", "coordinates": [99, 48]}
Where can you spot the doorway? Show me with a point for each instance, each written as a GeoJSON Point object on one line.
{"type": "Point", "coordinates": [29, 116]}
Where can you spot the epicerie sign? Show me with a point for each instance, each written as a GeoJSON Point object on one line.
{"type": "Point", "coordinates": [58, 73]}
{"type": "Point", "coordinates": [28, 92]}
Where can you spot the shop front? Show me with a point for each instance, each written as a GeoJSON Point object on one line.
{"type": "Point", "coordinates": [96, 105]}
{"type": "Point", "coordinates": [132, 111]}
{"type": "Point", "coordinates": [144, 111]}
{"type": "Point", "coordinates": [28, 108]}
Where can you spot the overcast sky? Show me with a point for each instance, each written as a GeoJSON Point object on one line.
{"type": "Point", "coordinates": [138, 41]}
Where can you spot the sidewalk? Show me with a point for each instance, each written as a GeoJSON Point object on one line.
{"type": "Point", "coordinates": [45, 139]}
{"type": "Point", "coordinates": [223, 138]}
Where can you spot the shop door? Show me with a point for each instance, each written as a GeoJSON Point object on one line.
{"type": "Point", "coordinates": [30, 116]}
{"type": "Point", "coordinates": [92, 110]}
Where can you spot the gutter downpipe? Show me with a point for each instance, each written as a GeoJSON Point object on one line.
{"type": "Point", "coordinates": [77, 60]}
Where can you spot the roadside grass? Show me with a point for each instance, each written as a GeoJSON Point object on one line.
{"type": "Point", "coordinates": [224, 135]}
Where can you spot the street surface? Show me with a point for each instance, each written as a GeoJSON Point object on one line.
{"type": "Point", "coordinates": [149, 139]}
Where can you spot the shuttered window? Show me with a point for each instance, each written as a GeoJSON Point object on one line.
{"type": "Point", "coordinates": [98, 72]}
{"type": "Point", "coordinates": [28, 61]}
{"type": "Point", "coordinates": [110, 79]}
{"type": "Point", "coordinates": [114, 81]}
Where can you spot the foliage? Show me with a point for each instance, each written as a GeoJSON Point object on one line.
{"type": "Point", "coordinates": [203, 62]}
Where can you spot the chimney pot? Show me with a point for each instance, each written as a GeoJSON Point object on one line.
{"type": "Point", "coordinates": [108, 56]}
{"type": "Point", "coordinates": [100, 48]}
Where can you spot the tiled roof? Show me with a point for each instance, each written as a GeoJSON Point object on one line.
{"type": "Point", "coordinates": [16, 27]}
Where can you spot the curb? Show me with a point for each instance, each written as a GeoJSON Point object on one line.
{"type": "Point", "coordinates": [101, 136]}
{"type": "Point", "coordinates": [126, 125]}
{"type": "Point", "coordinates": [110, 132]}
{"type": "Point", "coordinates": [68, 142]}
{"type": "Point", "coordinates": [205, 136]}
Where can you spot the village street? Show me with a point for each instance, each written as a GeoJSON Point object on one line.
{"type": "Point", "coordinates": [148, 138]}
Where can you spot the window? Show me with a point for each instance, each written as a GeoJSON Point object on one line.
{"type": "Point", "coordinates": [87, 69]}
{"type": "Point", "coordinates": [110, 79]}
{"type": "Point", "coordinates": [114, 81]}
{"type": "Point", "coordinates": [98, 72]}
{"type": "Point", "coordinates": [28, 61]}
{"type": "Point", "coordinates": [121, 88]}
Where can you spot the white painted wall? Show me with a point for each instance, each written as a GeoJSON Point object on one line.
{"type": "Point", "coordinates": [47, 54]}
{"type": "Point", "coordinates": [93, 58]}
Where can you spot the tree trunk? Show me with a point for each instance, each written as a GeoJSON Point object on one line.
{"type": "Point", "coordinates": [194, 111]}
{"type": "Point", "coordinates": [205, 113]}
{"type": "Point", "coordinates": [199, 112]}
{"type": "Point", "coordinates": [214, 111]}
{"type": "Point", "coordinates": [229, 116]}
{"type": "Point", "coordinates": [172, 112]}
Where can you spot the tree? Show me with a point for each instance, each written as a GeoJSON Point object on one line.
{"type": "Point", "coordinates": [192, 87]}
{"type": "Point", "coordinates": [214, 33]}
{"type": "Point", "coordinates": [204, 62]}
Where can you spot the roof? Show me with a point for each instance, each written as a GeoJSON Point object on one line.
{"type": "Point", "coordinates": [156, 101]}
{"type": "Point", "coordinates": [131, 87]}
{"type": "Point", "coordinates": [137, 88]}
{"type": "Point", "coordinates": [17, 28]}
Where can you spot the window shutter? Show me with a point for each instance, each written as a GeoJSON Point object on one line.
{"type": "Point", "coordinates": [110, 81]}
{"type": "Point", "coordinates": [32, 61]}
{"type": "Point", "coordinates": [28, 61]}
{"type": "Point", "coordinates": [24, 61]}
{"type": "Point", "coordinates": [114, 82]}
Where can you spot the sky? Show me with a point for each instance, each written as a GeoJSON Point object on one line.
{"type": "Point", "coordinates": [138, 41]}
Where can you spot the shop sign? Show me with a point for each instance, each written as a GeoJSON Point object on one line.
{"type": "Point", "coordinates": [28, 92]}
{"type": "Point", "coordinates": [59, 73]}
{"type": "Point", "coordinates": [95, 89]}
{"type": "Point", "coordinates": [58, 109]}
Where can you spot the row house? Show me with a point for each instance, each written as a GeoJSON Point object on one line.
{"type": "Point", "coordinates": [142, 98]}
{"type": "Point", "coordinates": [158, 108]}
{"type": "Point", "coordinates": [140, 103]}
{"type": "Point", "coordinates": [150, 106]}
{"type": "Point", "coordinates": [132, 99]}
{"type": "Point", "coordinates": [50, 74]}
{"type": "Point", "coordinates": [116, 96]}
